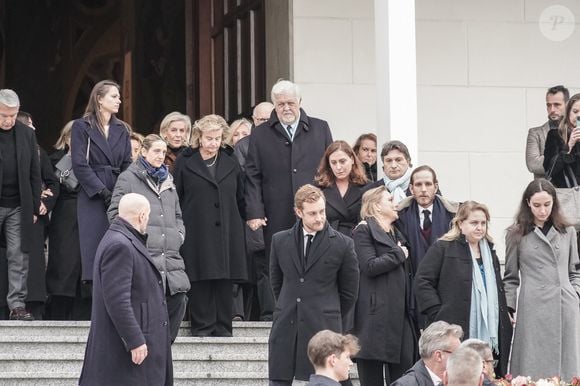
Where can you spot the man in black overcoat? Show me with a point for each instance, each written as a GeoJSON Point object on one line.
{"type": "Point", "coordinates": [19, 199]}
{"type": "Point", "coordinates": [283, 155]}
{"type": "Point", "coordinates": [314, 274]}
{"type": "Point", "coordinates": [129, 341]}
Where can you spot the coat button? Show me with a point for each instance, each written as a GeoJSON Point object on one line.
{"type": "Point", "coordinates": [164, 302]}
{"type": "Point", "coordinates": [301, 280]}
{"type": "Point", "coordinates": [217, 204]}
{"type": "Point", "coordinates": [165, 323]}
{"type": "Point", "coordinates": [163, 235]}
{"type": "Point", "coordinates": [161, 215]}
{"type": "Point", "coordinates": [298, 300]}
{"type": "Point", "coordinates": [294, 170]}
{"type": "Point", "coordinates": [162, 272]}
{"type": "Point", "coordinates": [160, 282]}
{"type": "Point", "coordinates": [217, 223]}
{"type": "Point", "coordinates": [286, 143]}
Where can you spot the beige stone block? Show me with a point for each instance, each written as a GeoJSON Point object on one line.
{"type": "Point", "coordinates": [471, 119]}
{"type": "Point", "coordinates": [441, 53]}
{"type": "Point", "coordinates": [500, 10]}
{"type": "Point", "coordinates": [497, 230]}
{"type": "Point", "coordinates": [334, 8]}
{"type": "Point", "coordinates": [363, 37]}
{"type": "Point", "coordinates": [452, 170]}
{"type": "Point", "coordinates": [322, 51]}
{"type": "Point", "coordinates": [536, 113]}
{"type": "Point", "coordinates": [533, 8]}
{"type": "Point", "coordinates": [349, 109]}
{"type": "Point", "coordinates": [518, 55]}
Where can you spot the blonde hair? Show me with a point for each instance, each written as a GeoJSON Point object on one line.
{"type": "Point", "coordinates": [176, 116]}
{"type": "Point", "coordinates": [234, 127]}
{"type": "Point", "coordinates": [210, 122]}
{"type": "Point", "coordinates": [64, 136]}
{"type": "Point", "coordinates": [370, 201]}
{"type": "Point", "coordinates": [307, 193]}
{"type": "Point", "coordinates": [462, 214]}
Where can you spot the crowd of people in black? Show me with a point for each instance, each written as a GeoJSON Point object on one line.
{"type": "Point", "coordinates": [273, 220]}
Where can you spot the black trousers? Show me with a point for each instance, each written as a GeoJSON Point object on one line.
{"type": "Point", "coordinates": [263, 288]}
{"type": "Point", "coordinates": [176, 306]}
{"type": "Point", "coordinates": [210, 307]}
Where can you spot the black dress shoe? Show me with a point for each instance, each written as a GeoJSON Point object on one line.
{"type": "Point", "coordinates": [20, 313]}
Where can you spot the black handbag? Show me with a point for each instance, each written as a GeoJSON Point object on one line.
{"type": "Point", "coordinates": [65, 174]}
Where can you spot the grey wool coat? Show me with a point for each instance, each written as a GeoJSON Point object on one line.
{"type": "Point", "coordinates": [547, 333]}
{"type": "Point", "coordinates": [165, 230]}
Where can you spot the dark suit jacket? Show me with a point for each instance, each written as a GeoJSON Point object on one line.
{"type": "Point", "coordinates": [415, 376]}
{"type": "Point", "coordinates": [29, 181]}
{"type": "Point", "coordinates": [558, 163]}
{"type": "Point", "coordinates": [128, 310]}
{"type": "Point", "coordinates": [308, 299]}
{"type": "Point", "coordinates": [276, 167]}
{"type": "Point", "coordinates": [321, 380]}
{"type": "Point", "coordinates": [443, 290]}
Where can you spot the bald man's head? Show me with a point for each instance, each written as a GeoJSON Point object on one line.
{"type": "Point", "coordinates": [262, 113]}
{"type": "Point", "coordinates": [134, 208]}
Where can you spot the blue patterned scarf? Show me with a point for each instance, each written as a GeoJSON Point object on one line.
{"type": "Point", "coordinates": [159, 174]}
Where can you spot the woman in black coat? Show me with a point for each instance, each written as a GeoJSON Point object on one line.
{"type": "Point", "coordinates": [459, 281]}
{"type": "Point", "coordinates": [383, 321]}
{"type": "Point", "coordinates": [208, 181]}
{"type": "Point", "coordinates": [175, 129]}
{"type": "Point", "coordinates": [100, 151]}
{"type": "Point", "coordinates": [67, 300]}
{"type": "Point", "coordinates": [341, 177]}
{"type": "Point", "coordinates": [562, 151]}
{"type": "Point", "coordinates": [365, 149]}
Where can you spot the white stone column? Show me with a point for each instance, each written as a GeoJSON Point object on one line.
{"type": "Point", "coordinates": [396, 74]}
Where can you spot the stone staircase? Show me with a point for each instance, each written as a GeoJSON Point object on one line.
{"type": "Point", "coordinates": [51, 353]}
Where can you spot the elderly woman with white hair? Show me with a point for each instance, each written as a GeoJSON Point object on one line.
{"type": "Point", "coordinates": [208, 180]}
{"type": "Point", "coordinates": [175, 129]}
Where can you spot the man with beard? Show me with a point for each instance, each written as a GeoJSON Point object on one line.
{"type": "Point", "coordinates": [556, 99]}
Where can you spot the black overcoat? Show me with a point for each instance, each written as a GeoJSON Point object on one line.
{"type": "Point", "coordinates": [308, 299]}
{"type": "Point", "coordinates": [64, 254]}
{"type": "Point", "coordinates": [418, 375]}
{"type": "Point", "coordinates": [29, 181]}
{"type": "Point", "coordinates": [277, 167]}
{"type": "Point", "coordinates": [107, 158]}
{"type": "Point", "coordinates": [558, 161]}
{"type": "Point", "coordinates": [212, 210]}
{"type": "Point", "coordinates": [384, 294]}
{"type": "Point", "coordinates": [443, 290]}
{"type": "Point", "coordinates": [128, 310]}
{"type": "Point", "coordinates": [343, 213]}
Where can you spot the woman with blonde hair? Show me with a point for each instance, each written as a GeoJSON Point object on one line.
{"type": "Point", "coordinates": [175, 129]}
{"type": "Point", "coordinates": [100, 151]}
{"type": "Point", "coordinates": [459, 281]}
{"type": "Point", "coordinates": [383, 321]}
{"type": "Point", "coordinates": [239, 129]}
{"type": "Point", "coordinates": [208, 180]}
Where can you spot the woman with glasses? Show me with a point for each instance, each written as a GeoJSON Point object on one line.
{"type": "Point", "coordinates": [542, 262]}
{"type": "Point", "coordinates": [459, 281]}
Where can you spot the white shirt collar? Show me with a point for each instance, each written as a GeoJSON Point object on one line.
{"type": "Point", "coordinates": [436, 380]}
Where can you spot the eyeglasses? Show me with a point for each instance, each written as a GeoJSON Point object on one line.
{"type": "Point", "coordinates": [493, 362]}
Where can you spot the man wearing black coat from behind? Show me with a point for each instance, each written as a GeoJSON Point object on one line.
{"type": "Point", "coordinates": [314, 274]}
{"type": "Point", "coordinates": [129, 342]}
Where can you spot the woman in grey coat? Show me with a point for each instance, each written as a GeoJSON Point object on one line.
{"type": "Point", "coordinates": [542, 250]}
{"type": "Point", "coordinates": [150, 177]}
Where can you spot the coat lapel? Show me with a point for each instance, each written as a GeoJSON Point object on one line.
{"type": "Point", "coordinates": [225, 166]}
{"type": "Point", "coordinates": [294, 245]}
{"type": "Point", "coordinates": [334, 200]}
{"type": "Point", "coordinates": [196, 165]}
{"type": "Point", "coordinates": [121, 226]}
{"type": "Point", "coordinates": [99, 140]}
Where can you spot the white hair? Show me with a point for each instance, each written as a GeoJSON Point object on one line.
{"type": "Point", "coordinates": [436, 337]}
{"type": "Point", "coordinates": [9, 98]}
{"type": "Point", "coordinates": [464, 368]}
{"type": "Point", "coordinates": [285, 87]}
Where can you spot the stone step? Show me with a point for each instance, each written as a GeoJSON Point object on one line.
{"type": "Point", "coordinates": [192, 362]}
{"type": "Point", "coordinates": [19, 345]}
{"type": "Point", "coordinates": [81, 328]}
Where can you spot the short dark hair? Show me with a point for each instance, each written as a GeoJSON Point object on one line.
{"type": "Point", "coordinates": [559, 88]}
{"type": "Point", "coordinates": [396, 145]}
{"type": "Point", "coordinates": [424, 168]}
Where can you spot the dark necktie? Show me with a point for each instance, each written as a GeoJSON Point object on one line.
{"type": "Point", "coordinates": [290, 131]}
{"type": "Point", "coordinates": [426, 219]}
{"type": "Point", "coordinates": [308, 245]}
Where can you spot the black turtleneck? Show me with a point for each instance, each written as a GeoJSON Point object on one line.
{"type": "Point", "coordinates": [10, 197]}
{"type": "Point", "coordinates": [140, 236]}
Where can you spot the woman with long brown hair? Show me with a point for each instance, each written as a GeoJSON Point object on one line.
{"type": "Point", "coordinates": [541, 261]}
{"type": "Point", "coordinates": [100, 151]}
{"type": "Point", "coordinates": [342, 179]}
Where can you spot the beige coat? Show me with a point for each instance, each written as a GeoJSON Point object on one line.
{"type": "Point", "coordinates": [547, 333]}
{"type": "Point", "coordinates": [535, 150]}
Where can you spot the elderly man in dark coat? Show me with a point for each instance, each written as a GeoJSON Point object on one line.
{"type": "Point", "coordinates": [283, 155]}
{"type": "Point", "coordinates": [314, 274]}
{"type": "Point", "coordinates": [129, 342]}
